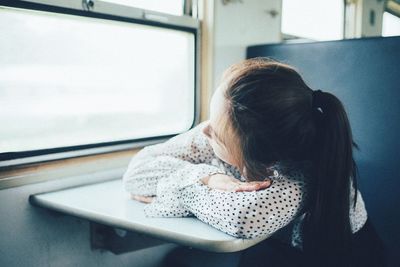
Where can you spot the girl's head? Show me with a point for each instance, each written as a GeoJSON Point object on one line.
{"type": "Point", "coordinates": [264, 112]}
{"type": "Point", "coordinates": [261, 113]}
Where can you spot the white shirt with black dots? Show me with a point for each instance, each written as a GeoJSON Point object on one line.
{"type": "Point", "coordinates": [172, 170]}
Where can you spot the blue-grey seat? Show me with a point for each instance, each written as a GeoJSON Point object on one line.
{"type": "Point", "coordinates": [365, 75]}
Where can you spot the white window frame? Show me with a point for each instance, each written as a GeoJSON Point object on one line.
{"type": "Point", "coordinates": [111, 11]}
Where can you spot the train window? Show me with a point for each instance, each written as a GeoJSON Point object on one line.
{"type": "Point", "coordinates": [390, 25]}
{"type": "Point", "coordinates": [313, 19]}
{"type": "Point", "coordinates": [67, 81]}
{"type": "Point", "coordinates": [174, 7]}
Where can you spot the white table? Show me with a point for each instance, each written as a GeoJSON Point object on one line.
{"type": "Point", "coordinates": [108, 204]}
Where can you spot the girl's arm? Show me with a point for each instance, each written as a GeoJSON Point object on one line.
{"type": "Point", "coordinates": [163, 169]}
{"type": "Point", "coordinates": [174, 170]}
{"type": "Point", "coordinates": [247, 214]}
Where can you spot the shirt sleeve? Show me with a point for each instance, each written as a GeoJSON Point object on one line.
{"type": "Point", "coordinates": [163, 169]}
{"type": "Point", "coordinates": [247, 214]}
{"type": "Point", "coordinates": [358, 214]}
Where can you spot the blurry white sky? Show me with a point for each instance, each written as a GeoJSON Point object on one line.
{"type": "Point", "coordinates": [391, 25]}
{"type": "Point", "coordinates": [313, 19]}
{"type": "Point", "coordinates": [68, 81]}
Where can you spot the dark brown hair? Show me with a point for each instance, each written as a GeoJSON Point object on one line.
{"type": "Point", "coordinates": [271, 113]}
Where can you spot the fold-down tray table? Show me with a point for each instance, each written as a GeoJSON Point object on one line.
{"type": "Point", "coordinates": [109, 205]}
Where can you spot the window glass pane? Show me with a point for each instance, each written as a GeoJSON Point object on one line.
{"type": "Point", "coordinates": [390, 25]}
{"type": "Point", "coordinates": [313, 19]}
{"type": "Point", "coordinates": [174, 7]}
{"type": "Point", "coordinates": [68, 80]}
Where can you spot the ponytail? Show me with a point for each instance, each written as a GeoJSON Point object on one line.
{"type": "Point", "coordinates": [274, 118]}
{"type": "Point", "coordinates": [327, 234]}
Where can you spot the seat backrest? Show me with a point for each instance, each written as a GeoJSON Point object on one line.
{"type": "Point", "coordinates": [365, 75]}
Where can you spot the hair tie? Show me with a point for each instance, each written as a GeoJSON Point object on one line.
{"type": "Point", "coordinates": [317, 98]}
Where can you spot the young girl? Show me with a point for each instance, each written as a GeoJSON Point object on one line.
{"type": "Point", "coordinates": [274, 155]}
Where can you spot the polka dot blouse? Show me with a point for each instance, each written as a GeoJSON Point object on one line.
{"type": "Point", "coordinates": [172, 170]}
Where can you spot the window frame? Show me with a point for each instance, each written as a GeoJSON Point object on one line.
{"type": "Point", "coordinates": [114, 12]}
{"type": "Point", "coordinates": [393, 8]}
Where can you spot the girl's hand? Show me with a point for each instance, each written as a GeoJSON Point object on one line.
{"type": "Point", "coordinates": [142, 198]}
{"type": "Point", "coordinates": [228, 183]}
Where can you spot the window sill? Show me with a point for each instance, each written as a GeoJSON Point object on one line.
{"type": "Point", "coordinates": [95, 165]}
